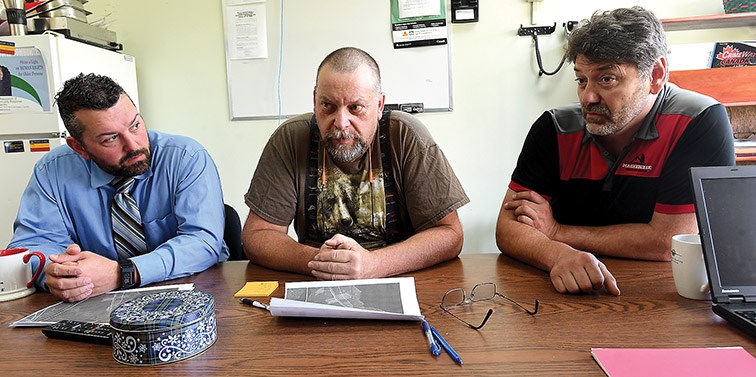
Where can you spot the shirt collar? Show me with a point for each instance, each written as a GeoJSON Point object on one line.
{"type": "Point", "coordinates": [99, 177]}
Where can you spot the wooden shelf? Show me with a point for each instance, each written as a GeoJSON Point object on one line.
{"type": "Point", "coordinates": [744, 161]}
{"type": "Point", "coordinates": [732, 86]}
{"type": "Point", "coordinates": [714, 21]}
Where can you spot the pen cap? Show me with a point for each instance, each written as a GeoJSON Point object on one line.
{"type": "Point", "coordinates": [426, 326]}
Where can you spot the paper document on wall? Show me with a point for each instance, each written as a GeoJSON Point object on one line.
{"type": "Point", "coordinates": [418, 23]}
{"type": "Point", "coordinates": [247, 36]}
{"type": "Point", "coordinates": [389, 298]}
{"type": "Point", "coordinates": [419, 8]}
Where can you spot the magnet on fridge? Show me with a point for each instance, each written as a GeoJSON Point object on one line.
{"type": "Point", "coordinates": [15, 146]}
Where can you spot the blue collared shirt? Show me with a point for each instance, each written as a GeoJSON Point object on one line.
{"type": "Point", "coordinates": [68, 200]}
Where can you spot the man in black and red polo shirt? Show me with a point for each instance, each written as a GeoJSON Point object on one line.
{"type": "Point", "coordinates": [609, 176]}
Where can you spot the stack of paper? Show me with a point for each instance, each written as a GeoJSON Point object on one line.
{"type": "Point", "coordinates": [745, 150]}
{"type": "Point", "coordinates": [390, 298]}
{"type": "Point", "coordinates": [93, 309]}
{"type": "Point", "coordinates": [688, 56]}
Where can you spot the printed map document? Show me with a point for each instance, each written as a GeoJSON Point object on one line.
{"type": "Point", "coordinates": [94, 309]}
{"type": "Point", "coordinates": [388, 298]}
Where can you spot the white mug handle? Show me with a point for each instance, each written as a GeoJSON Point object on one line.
{"type": "Point", "coordinates": [705, 288]}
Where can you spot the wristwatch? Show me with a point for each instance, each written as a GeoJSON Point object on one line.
{"type": "Point", "coordinates": [128, 273]}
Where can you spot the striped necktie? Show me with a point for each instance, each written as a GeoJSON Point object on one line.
{"type": "Point", "coordinates": [128, 231]}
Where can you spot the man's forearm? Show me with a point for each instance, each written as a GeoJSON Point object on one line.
{"type": "Point", "coordinates": [180, 256]}
{"type": "Point", "coordinates": [636, 241]}
{"type": "Point", "coordinates": [278, 251]}
{"type": "Point", "coordinates": [424, 249]}
{"type": "Point", "coordinates": [650, 241]}
{"type": "Point", "coordinates": [528, 244]}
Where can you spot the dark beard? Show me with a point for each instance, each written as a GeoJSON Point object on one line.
{"type": "Point", "coordinates": [127, 171]}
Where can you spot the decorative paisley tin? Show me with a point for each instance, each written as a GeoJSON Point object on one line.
{"type": "Point", "coordinates": [163, 327]}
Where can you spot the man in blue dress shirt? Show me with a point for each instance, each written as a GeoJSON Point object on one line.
{"type": "Point", "coordinates": [65, 211]}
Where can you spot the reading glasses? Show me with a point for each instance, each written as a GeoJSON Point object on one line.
{"type": "Point", "coordinates": [457, 297]}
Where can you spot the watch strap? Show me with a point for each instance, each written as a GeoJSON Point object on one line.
{"type": "Point", "coordinates": [128, 273]}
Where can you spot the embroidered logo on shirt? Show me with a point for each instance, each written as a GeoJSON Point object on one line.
{"type": "Point", "coordinates": [638, 164]}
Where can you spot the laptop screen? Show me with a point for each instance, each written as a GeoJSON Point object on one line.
{"type": "Point", "coordinates": [730, 208]}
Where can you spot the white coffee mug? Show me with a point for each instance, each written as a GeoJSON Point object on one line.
{"type": "Point", "coordinates": [16, 278]}
{"type": "Point", "coordinates": [688, 267]}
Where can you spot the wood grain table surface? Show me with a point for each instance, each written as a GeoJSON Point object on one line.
{"type": "Point", "coordinates": [555, 342]}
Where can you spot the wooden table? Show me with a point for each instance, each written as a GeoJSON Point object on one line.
{"type": "Point", "coordinates": [557, 341]}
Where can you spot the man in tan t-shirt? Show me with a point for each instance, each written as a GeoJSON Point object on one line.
{"type": "Point", "coordinates": [369, 192]}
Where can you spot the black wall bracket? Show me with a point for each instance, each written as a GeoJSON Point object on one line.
{"type": "Point", "coordinates": [569, 26]}
{"type": "Point", "coordinates": [536, 30]}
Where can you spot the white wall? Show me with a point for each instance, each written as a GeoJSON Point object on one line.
{"type": "Point", "coordinates": [179, 47]}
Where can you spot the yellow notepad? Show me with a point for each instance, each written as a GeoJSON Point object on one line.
{"type": "Point", "coordinates": [257, 289]}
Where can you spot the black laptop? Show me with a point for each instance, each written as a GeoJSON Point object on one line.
{"type": "Point", "coordinates": [726, 211]}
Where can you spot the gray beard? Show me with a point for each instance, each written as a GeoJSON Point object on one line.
{"type": "Point", "coordinates": [602, 129]}
{"type": "Point", "coordinates": [618, 120]}
{"type": "Point", "coordinates": [345, 154]}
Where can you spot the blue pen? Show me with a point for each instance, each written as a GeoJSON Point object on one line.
{"type": "Point", "coordinates": [447, 347]}
{"type": "Point", "coordinates": [434, 348]}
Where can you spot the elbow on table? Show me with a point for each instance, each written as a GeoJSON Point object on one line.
{"type": "Point", "coordinates": [253, 252]}
{"type": "Point", "coordinates": [457, 244]}
{"type": "Point", "coordinates": [502, 240]}
{"type": "Point", "coordinates": [657, 248]}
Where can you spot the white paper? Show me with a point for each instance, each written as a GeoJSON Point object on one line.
{"type": "Point", "coordinates": [419, 34]}
{"type": "Point", "coordinates": [240, 2]}
{"type": "Point", "coordinates": [389, 298]}
{"type": "Point", "coordinates": [465, 14]}
{"type": "Point", "coordinates": [94, 309]}
{"type": "Point", "coordinates": [247, 31]}
{"type": "Point", "coordinates": [689, 56]}
{"type": "Point", "coordinates": [419, 8]}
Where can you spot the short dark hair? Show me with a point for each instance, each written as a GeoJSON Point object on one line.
{"type": "Point", "coordinates": [625, 35]}
{"type": "Point", "coordinates": [348, 59]}
{"type": "Point", "coordinates": [88, 92]}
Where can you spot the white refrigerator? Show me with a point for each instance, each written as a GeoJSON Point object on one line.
{"type": "Point", "coordinates": [33, 69]}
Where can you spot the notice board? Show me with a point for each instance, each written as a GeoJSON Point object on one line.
{"type": "Point", "coordinates": [300, 33]}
